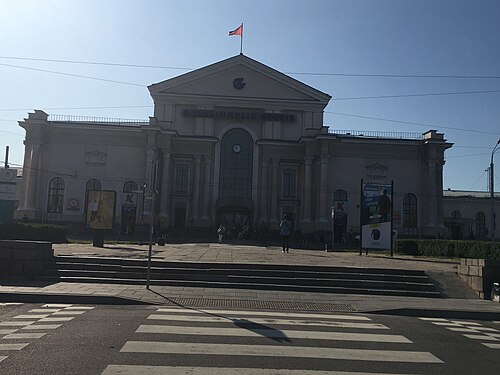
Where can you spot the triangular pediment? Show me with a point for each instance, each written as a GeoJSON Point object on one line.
{"type": "Point", "coordinates": [239, 77]}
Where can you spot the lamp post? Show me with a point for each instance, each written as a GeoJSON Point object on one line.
{"type": "Point", "coordinates": [333, 228]}
{"type": "Point", "coordinates": [492, 192]}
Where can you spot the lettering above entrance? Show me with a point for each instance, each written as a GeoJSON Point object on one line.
{"type": "Point", "coordinates": [208, 113]}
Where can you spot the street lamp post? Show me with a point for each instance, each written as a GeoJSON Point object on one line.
{"type": "Point", "coordinates": [492, 192]}
{"type": "Point", "coordinates": [333, 228]}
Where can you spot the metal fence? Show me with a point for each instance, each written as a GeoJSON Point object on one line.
{"type": "Point", "coordinates": [88, 120]}
{"type": "Point", "coordinates": [376, 134]}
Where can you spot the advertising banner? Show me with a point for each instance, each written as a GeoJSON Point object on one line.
{"type": "Point", "coordinates": [100, 209]}
{"type": "Point", "coordinates": [376, 216]}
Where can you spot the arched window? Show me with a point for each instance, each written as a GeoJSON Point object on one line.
{"type": "Point", "coordinates": [93, 185]}
{"type": "Point", "coordinates": [236, 164]}
{"type": "Point", "coordinates": [339, 195]}
{"type": "Point", "coordinates": [480, 225]}
{"type": "Point", "coordinates": [130, 187]}
{"type": "Point", "coordinates": [410, 211]}
{"type": "Point", "coordinates": [56, 195]}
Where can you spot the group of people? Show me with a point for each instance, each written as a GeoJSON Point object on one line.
{"type": "Point", "coordinates": [285, 232]}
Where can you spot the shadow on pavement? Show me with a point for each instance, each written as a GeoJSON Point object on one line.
{"type": "Point", "coordinates": [424, 313]}
{"type": "Point", "coordinates": [260, 329]}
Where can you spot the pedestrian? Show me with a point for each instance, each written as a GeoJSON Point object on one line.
{"type": "Point", "coordinates": [285, 231]}
{"type": "Point", "coordinates": [220, 233]}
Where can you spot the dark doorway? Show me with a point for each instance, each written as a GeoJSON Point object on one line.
{"type": "Point", "coordinates": [180, 217]}
{"type": "Point", "coordinates": [237, 222]}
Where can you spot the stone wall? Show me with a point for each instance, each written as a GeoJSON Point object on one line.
{"type": "Point", "coordinates": [23, 259]}
{"type": "Point", "coordinates": [480, 274]}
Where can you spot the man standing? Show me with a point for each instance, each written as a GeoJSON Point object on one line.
{"type": "Point", "coordinates": [220, 233]}
{"type": "Point", "coordinates": [285, 231]}
{"type": "Point", "coordinates": [384, 206]}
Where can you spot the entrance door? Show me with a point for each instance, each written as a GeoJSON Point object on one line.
{"type": "Point", "coordinates": [237, 223]}
{"type": "Point", "coordinates": [180, 216]}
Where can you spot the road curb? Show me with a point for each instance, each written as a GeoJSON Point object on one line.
{"type": "Point", "coordinates": [70, 298]}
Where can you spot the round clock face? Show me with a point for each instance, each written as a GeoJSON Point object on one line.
{"type": "Point", "coordinates": [236, 148]}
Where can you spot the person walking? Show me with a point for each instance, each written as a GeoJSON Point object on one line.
{"type": "Point", "coordinates": [220, 233]}
{"type": "Point", "coordinates": [285, 231]}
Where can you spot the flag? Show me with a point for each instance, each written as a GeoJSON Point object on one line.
{"type": "Point", "coordinates": [238, 31]}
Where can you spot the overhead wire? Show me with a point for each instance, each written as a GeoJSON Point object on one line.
{"type": "Point", "coordinates": [82, 62]}
{"type": "Point", "coordinates": [411, 122]}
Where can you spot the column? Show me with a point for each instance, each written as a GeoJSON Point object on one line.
{"type": "Point", "coordinates": [28, 149]}
{"type": "Point", "coordinates": [165, 184]}
{"type": "Point", "coordinates": [33, 177]}
{"type": "Point", "coordinates": [274, 216]}
{"type": "Point", "coordinates": [196, 186]}
{"type": "Point", "coordinates": [264, 196]}
{"type": "Point", "coordinates": [323, 189]}
{"type": "Point", "coordinates": [207, 184]}
{"type": "Point", "coordinates": [151, 156]}
{"type": "Point", "coordinates": [307, 189]}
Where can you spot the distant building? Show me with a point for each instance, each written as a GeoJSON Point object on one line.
{"type": "Point", "coordinates": [237, 143]}
{"type": "Point", "coordinates": [467, 214]}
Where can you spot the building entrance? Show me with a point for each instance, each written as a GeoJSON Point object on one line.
{"type": "Point", "coordinates": [237, 222]}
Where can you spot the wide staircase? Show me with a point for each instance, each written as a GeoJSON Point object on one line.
{"type": "Point", "coordinates": [393, 282]}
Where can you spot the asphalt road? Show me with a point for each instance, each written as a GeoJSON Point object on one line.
{"type": "Point", "coordinates": [110, 340]}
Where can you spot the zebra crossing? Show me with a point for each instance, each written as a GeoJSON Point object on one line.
{"type": "Point", "coordinates": [209, 341]}
{"type": "Point", "coordinates": [16, 332]}
{"type": "Point", "coordinates": [490, 337]}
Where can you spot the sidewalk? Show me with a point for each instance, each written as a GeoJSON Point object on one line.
{"type": "Point", "coordinates": [442, 269]}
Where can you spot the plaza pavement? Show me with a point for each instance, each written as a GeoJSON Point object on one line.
{"type": "Point", "coordinates": [462, 302]}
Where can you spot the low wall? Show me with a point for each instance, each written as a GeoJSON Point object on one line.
{"type": "Point", "coordinates": [480, 274]}
{"type": "Point", "coordinates": [23, 259]}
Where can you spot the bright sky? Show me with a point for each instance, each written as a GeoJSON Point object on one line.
{"type": "Point", "coordinates": [345, 39]}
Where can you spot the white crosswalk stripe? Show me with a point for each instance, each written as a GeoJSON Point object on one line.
{"type": "Point", "coordinates": [491, 346]}
{"type": "Point", "coordinates": [265, 313]}
{"type": "Point", "coordinates": [31, 325]}
{"type": "Point", "coordinates": [237, 332]}
{"type": "Point", "coordinates": [279, 351]}
{"type": "Point", "coordinates": [220, 319]}
{"type": "Point", "coordinates": [201, 334]}
{"type": "Point", "coordinates": [470, 330]}
{"type": "Point", "coordinates": [183, 370]}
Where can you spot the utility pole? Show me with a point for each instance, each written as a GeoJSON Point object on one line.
{"type": "Point", "coordinates": [153, 190]}
{"type": "Point", "coordinates": [492, 192]}
{"type": "Point", "coordinates": [6, 161]}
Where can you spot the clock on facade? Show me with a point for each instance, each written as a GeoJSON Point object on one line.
{"type": "Point", "coordinates": [236, 148]}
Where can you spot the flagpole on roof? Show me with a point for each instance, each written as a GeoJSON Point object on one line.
{"type": "Point", "coordinates": [241, 40]}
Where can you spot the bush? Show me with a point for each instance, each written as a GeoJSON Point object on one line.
{"type": "Point", "coordinates": [449, 248]}
{"type": "Point", "coordinates": [33, 232]}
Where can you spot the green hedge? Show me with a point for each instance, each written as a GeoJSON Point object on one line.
{"type": "Point", "coordinates": [33, 232]}
{"type": "Point", "coordinates": [449, 248]}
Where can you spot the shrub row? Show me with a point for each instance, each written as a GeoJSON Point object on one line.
{"type": "Point", "coordinates": [449, 248]}
{"type": "Point", "coordinates": [33, 232]}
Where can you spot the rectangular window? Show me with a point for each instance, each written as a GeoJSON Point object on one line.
{"type": "Point", "coordinates": [181, 178]}
{"type": "Point", "coordinates": [289, 182]}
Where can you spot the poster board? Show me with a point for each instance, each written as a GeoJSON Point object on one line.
{"type": "Point", "coordinates": [376, 215]}
{"type": "Point", "coordinates": [100, 209]}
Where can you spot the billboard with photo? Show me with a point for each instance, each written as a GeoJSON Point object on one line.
{"type": "Point", "coordinates": [376, 216]}
{"type": "Point", "coordinates": [100, 209]}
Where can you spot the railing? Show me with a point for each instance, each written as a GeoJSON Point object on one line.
{"type": "Point", "coordinates": [88, 120]}
{"type": "Point", "coordinates": [376, 134]}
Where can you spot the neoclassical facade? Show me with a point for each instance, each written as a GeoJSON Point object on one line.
{"type": "Point", "coordinates": [235, 142]}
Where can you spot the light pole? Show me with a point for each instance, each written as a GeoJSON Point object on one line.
{"type": "Point", "coordinates": [492, 192]}
{"type": "Point", "coordinates": [333, 228]}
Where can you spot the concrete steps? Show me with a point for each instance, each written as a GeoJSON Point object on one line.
{"type": "Point", "coordinates": [394, 282]}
